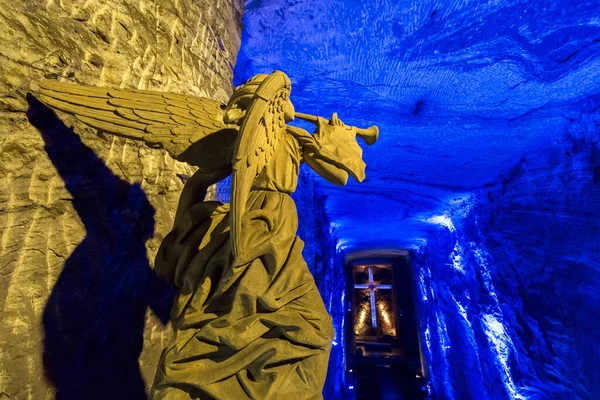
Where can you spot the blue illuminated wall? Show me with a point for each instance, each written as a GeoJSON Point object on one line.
{"type": "Point", "coordinates": [487, 169]}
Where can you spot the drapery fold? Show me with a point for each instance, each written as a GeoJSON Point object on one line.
{"type": "Point", "coordinates": [246, 328]}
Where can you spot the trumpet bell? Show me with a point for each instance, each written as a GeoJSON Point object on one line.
{"type": "Point", "coordinates": [369, 135]}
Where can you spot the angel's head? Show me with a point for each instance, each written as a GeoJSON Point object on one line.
{"type": "Point", "coordinates": [241, 99]}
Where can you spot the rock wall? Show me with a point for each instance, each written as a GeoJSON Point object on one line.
{"type": "Point", "coordinates": [82, 213]}
{"type": "Point", "coordinates": [509, 285]}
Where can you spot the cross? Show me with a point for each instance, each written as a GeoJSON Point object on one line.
{"type": "Point", "coordinates": [371, 286]}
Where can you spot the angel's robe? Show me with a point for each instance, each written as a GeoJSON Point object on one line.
{"type": "Point", "coordinates": [253, 328]}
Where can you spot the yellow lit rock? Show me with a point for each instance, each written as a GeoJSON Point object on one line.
{"type": "Point", "coordinates": [160, 45]}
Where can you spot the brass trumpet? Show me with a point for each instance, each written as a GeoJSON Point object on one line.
{"type": "Point", "coordinates": [369, 135]}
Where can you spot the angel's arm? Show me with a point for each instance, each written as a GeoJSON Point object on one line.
{"type": "Point", "coordinates": [325, 169]}
{"type": "Point", "coordinates": [195, 189]}
{"type": "Point", "coordinates": [310, 150]}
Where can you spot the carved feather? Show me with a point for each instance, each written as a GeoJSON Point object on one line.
{"type": "Point", "coordinates": [256, 143]}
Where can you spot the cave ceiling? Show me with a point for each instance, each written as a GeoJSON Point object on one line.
{"type": "Point", "coordinates": [461, 91]}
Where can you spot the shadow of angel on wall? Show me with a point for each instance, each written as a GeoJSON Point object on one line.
{"type": "Point", "coordinates": [94, 319]}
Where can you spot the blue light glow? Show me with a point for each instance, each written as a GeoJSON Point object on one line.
{"type": "Point", "coordinates": [487, 169]}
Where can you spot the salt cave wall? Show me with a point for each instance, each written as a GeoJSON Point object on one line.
{"type": "Point", "coordinates": [487, 169]}
{"type": "Point", "coordinates": [514, 276]}
{"type": "Point", "coordinates": [82, 214]}
{"type": "Point", "coordinates": [509, 282]}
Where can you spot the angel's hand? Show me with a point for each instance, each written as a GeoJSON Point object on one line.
{"type": "Point", "coordinates": [335, 121]}
{"type": "Point", "coordinates": [333, 127]}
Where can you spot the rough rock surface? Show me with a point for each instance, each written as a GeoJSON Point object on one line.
{"type": "Point", "coordinates": [82, 214]}
{"type": "Point", "coordinates": [487, 166]}
{"type": "Point", "coordinates": [511, 276]}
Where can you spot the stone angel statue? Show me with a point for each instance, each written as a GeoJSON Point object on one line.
{"type": "Point", "coordinates": [248, 319]}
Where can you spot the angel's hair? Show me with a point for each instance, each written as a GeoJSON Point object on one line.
{"type": "Point", "coordinates": [241, 98]}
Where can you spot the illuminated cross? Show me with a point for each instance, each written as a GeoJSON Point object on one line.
{"type": "Point", "coordinates": [371, 286]}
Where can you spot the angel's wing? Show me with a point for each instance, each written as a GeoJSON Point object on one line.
{"type": "Point", "coordinates": [261, 131]}
{"type": "Point", "coordinates": [173, 122]}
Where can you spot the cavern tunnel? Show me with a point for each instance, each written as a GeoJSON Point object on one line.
{"type": "Point", "coordinates": [383, 357]}
{"type": "Point", "coordinates": [486, 173]}
{"type": "Point", "coordinates": [465, 265]}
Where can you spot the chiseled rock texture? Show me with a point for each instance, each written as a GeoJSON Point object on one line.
{"type": "Point", "coordinates": [510, 275]}
{"type": "Point", "coordinates": [82, 314]}
{"type": "Point", "coordinates": [487, 168]}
